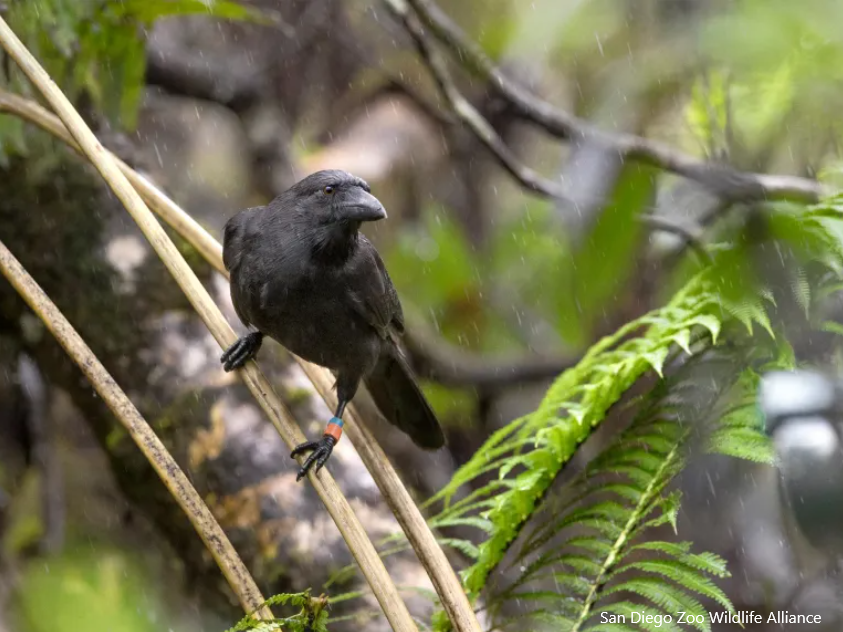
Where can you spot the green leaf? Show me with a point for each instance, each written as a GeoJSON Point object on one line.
{"type": "Point", "coordinates": [743, 443]}
{"type": "Point", "coordinates": [434, 264]}
{"type": "Point", "coordinates": [463, 546]}
{"type": "Point", "coordinates": [707, 562]}
{"type": "Point", "coordinates": [656, 359]}
{"type": "Point", "coordinates": [602, 264]}
{"type": "Point", "coordinates": [119, 88]}
{"type": "Point", "coordinates": [669, 598]}
{"type": "Point", "coordinates": [683, 339]}
{"type": "Point", "coordinates": [710, 322]}
{"type": "Point", "coordinates": [684, 575]}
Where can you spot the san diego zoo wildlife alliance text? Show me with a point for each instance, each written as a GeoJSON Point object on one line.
{"type": "Point", "coordinates": [742, 617]}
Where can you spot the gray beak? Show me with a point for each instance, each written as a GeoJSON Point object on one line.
{"type": "Point", "coordinates": [361, 206]}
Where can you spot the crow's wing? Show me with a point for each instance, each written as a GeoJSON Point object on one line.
{"type": "Point", "coordinates": [238, 238]}
{"type": "Point", "coordinates": [373, 295]}
{"type": "Point", "coordinates": [237, 241]}
{"type": "Point", "coordinates": [232, 239]}
{"type": "Point", "coordinates": [391, 383]}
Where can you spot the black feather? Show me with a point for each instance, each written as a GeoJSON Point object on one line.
{"type": "Point", "coordinates": [398, 397]}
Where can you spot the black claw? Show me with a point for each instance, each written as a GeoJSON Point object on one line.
{"type": "Point", "coordinates": [321, 452]}
{"type": "Point", "coordinates": [322, 460]}
{"type": "Point", "coordinates": [241, 351]}
{"type": "Point", "coordinates": [304, 447]}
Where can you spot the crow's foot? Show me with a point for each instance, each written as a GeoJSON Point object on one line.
{"type": "Point", "coordinates": [241, 351]}
{"type": "Point", "coordinates": [321, 451]}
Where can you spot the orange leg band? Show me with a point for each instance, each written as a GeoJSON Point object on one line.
{"type": "Point", "coordinates": [334, 429]}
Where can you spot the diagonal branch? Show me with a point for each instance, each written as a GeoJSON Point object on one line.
{"type": "Point", "coordinates": [174, 478]}
{"type": "Point", "coordinates": [722, 180]}
{"type": "Point", "coordinates": [451, 366]}
{"type": "Point", "coordinates": [326, 487]}
{"type": "Point", "coordinates": [447, 585]}
{"type": "Point", "coordinates": [688, 236]}
{"type": "Point", "coordinates": [468, 114]}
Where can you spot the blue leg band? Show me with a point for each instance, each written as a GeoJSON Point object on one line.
{"type": "Point", "coordinates": [336, 421]}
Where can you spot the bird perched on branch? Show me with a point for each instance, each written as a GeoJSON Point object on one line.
{"type": "Point", "coordinates": [302, 274]}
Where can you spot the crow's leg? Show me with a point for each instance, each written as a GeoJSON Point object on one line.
{"type": "Point", "coordinates": [242, 351]}
{"type": "Point", "coordinates": [321, 449]}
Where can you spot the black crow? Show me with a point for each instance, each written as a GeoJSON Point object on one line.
{"type": "Point", "coordinates": [302, 273]}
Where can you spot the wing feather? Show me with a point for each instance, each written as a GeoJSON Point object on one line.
{"type": "Point", "coordinates": [374, 294]}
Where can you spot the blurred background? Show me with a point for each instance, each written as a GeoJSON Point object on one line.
{"type": "Point", "coordinates": [224, 105]}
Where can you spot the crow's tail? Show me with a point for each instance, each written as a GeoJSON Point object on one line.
{"type": "Point", "coordinates": [401, 401]}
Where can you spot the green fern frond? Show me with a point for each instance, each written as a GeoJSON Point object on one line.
{"type": "Point", "coordinates": [532, 450]}
{"type": "Point", "coordinates": [312, 617]}
{"type": "Point", "coordinates": [740, 429]}
{"type": "Point", "coordinates": [680, 551]}
{"type": "Point", "coordinates": [667, 598]}
{"type": "Point", "coordinates": [587, 546]}
{"type": "Point", "coordinates": [680, 573]}
{"type": "Point", "coordinates": [528, 454]}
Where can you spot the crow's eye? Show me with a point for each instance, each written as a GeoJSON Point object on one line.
{"type": "Point", "coordinates": [328, 190]}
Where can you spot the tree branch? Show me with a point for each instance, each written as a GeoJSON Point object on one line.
{"type": "Point", "coordinates": [722, 180]}
{"type": "Point", "coordinates": [190, 75]}
{"type": "Point", "coordinates": [468, 114]}
{"type": "Point", "coordinates": [452, 366]}
{"type": "Point", "coordinates": [689, 239]}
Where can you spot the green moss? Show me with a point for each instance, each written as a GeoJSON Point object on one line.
{"type": "Point", "coordinates": [52, 219]}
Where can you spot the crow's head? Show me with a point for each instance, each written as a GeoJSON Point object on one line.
{"type": "Point", "coordinates": [336, 196]}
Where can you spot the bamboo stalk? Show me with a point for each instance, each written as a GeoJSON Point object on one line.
{"type": "Point", "coordinates": [338, 507]}
{"type": "Point", "coordinates": [165, 465]}
{"type": "Point", "coordinates": [429, 552]}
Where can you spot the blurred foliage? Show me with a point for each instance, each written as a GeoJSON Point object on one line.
{"type": "Point", "coordinates": [707, 114]}
{"type": "Point", "coordinates": [96, 48]}
{"type": "Point", "coordinates": [749, 70]}
{"type": "Point", "coordinates": [435, 264]}
{"type": "Point", "coordinates": [600, 262]}
{"type": "Point", "coordinates": [784, 64]}
{"type": "Point", "coordinates": [764, 63]}
{"type": "Point", "coordinates": [454, 406]}
{"type": "Point", "coordinates": [96, 589]}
